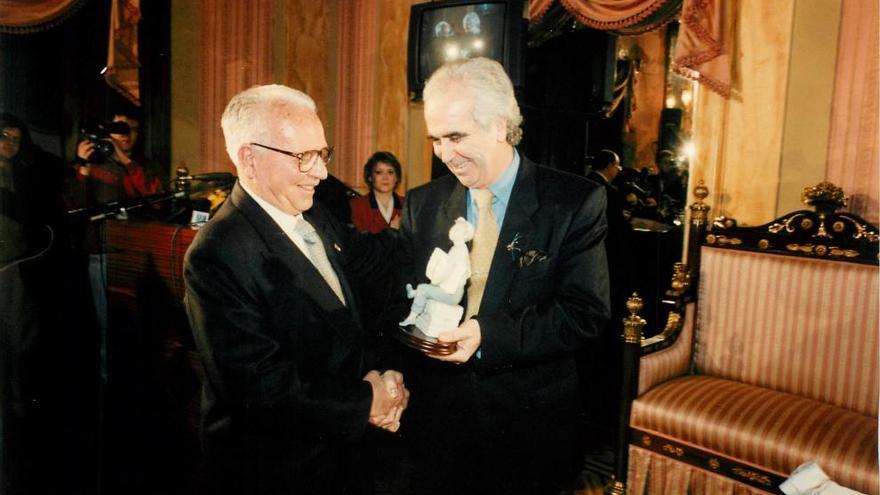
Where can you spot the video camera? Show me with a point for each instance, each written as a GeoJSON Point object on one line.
{"type": "Point", "coordinates": [98, 132]}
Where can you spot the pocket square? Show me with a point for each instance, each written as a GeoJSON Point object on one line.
{"type": "Point", "coordinates": [531, 256]}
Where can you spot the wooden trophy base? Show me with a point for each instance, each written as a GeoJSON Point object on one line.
{"type": "Point", "coordinates": [412, 337]}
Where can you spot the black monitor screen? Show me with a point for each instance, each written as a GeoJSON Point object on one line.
{"type": "Point", "coordinates": [460, 32]}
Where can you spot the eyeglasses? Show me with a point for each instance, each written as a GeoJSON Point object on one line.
{"type": "Point", "coordinates": [306, 159]}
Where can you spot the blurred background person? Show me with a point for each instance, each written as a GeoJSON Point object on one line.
{"type": "Point", "coordinates": [24, 240]}
{"type": "Point", "coordinates": [380, 208]}
{"type": "Point", "coordinates": [108, 168]}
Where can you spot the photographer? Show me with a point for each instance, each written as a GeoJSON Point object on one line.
{"type": "Point", "coordinates": [106, 170]}
{"type": "Point", "coordinates": [105, 166]}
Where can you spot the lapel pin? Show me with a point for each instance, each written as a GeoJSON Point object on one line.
{"type": "Point", "coordinates": [337, 248]}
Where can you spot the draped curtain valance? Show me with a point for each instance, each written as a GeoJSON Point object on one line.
{"type": "Point", "coordinates": [701, 53]}
{"type": "Point", "coordinates": [25, 16]}
{"type": "Point", "coordinates": [605, 14]}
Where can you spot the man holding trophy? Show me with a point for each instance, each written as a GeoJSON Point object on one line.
{"type": "Point", "coordinates": [496, 412]}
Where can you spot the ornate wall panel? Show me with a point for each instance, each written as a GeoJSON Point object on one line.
{"type": "Point", "coordinates": [853, 159]}
{"type": "Point", "coordinates": [357, 43]}
{"type": "Point", "coordinates": [310, 55]}
{"type": "Point", "coordinates": [650, 88]}
{"type": "Point", "coordinates": [392, 98]}
{"type": "Point", "coordinates": [739, 142]}
{"type": "Point", "coordinates": [236, 53]}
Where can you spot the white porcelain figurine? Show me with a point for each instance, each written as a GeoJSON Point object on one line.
{"type": "Point", "coordinates": [435, 306]}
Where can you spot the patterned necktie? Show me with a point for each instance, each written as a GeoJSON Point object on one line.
{"type": "Point", "coordinates": [482, 250]}
{"type": "Point", "coordinates": [318, 256]}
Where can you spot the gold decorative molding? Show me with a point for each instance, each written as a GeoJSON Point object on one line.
{"type": "Point", "coordinates": [646, 440]}
{"type": "Point", "coordinates": [822, 250]}
{"type": "Point", "coordinates": [633, 324]}
{"type": "Point", "coordinates": [763, 244]}
{"type": "Point", "coordinates": [862, 230]}
{"type": "Point", "coordinates": [672, 449]}
{"type": "Point", "coordinates": [673, 323]}
{"type": "Point", "coordinates": [787, 225]}
{"type": "Point", "coordinates": [681, 280]}
{"type": "Point", "coordinates": [713, 463]}
{"type": "Point", "coordinates": [723, 240]}
{"type": "Point", "coordinates": [724, 222]}
{"type": "Point", "coordinates": [615, 487]}
{"type": "Point", "coordinates": [752, 476]}
{"type": "Point", "coordinates": [699, 209]}
{"type": "Point", "coordinates": [824, 196]}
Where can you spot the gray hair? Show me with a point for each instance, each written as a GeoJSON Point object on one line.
{"type": "Point", "coordinates": [245, 120]}
{"type": "Point", "coordinates": [490, 88]}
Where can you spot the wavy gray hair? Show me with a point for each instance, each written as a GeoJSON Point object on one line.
{"type": "Point", "coordinates": [490, 88]}
{"type": "Point", "coordinates": [245, 118]}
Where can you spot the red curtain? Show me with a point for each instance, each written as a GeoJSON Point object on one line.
{"type": "Point", "coordinates": [23, 16]}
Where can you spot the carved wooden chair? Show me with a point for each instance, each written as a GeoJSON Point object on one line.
{"type": "Point", "coordinates": [768, 359]}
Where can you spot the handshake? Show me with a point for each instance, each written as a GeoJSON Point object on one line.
{"type": "Point", "coordinates": [390, 398]}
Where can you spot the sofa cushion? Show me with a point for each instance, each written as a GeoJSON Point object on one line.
{"type": "Point", "coordinates": [773, 430]}
{"type": "Point", "coordinates": [797, 325]}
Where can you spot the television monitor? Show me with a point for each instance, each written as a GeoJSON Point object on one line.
{"type": "Point", "coordinates": [457, 29]}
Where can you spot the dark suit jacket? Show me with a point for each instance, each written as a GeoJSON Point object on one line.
{"type": "Point", "coordinates": [283, 399]}
{"type": "Point", "coordinates": [523, 390]}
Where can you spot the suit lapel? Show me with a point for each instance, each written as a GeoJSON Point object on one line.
{"type": "Point", "coordinates": [518, 224]}
{"type": "Point", "coordinates": [307, 278]}
{"type": "Point", "coordinates": [454, 207]}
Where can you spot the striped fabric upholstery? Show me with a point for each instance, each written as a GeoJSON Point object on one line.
{"type": "Point", "coordinates": [670, 362]}
{"type": "Point", "coordinates": [803, 326]}
{"type": "Point", "coordinates": [763, 427]}
{"type": "Point", "coordinates": [654, 474]}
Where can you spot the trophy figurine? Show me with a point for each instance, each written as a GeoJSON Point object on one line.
{"type": "Point", "coordinates": [435, 305]}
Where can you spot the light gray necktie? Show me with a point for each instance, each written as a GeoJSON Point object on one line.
{"type": "Point", "coordinates": [318, 256]}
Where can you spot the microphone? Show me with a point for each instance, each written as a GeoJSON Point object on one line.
{"type": "Point", "coordinates": [208, 177]}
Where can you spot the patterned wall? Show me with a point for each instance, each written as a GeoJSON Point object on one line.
{"type": "Point", "coordinates": [853, 159]}
{"type": "Point", "coordinates": [235, 52]}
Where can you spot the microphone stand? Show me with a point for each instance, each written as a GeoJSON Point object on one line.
{"type": "Point", "coordinates": [114, 208]}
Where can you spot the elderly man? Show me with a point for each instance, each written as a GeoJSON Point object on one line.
{"type": "Point", "coordinates": [499, 413]}
{"type": "Point", "coordinates": [287, 394]}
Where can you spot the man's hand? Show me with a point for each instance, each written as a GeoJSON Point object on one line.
{"type": "Point", "coordinates": [390, 398]}
{"type": "Point", "coordinates": [467, 338]}
{"type": "Point", "coordinates": [84, 150]}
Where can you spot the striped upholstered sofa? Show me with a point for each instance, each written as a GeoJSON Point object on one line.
{"type": "Point", "coordinates": [769, 359]}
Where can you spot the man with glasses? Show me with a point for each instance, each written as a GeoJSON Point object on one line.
{"type": "Point", "coordinates": [288, 392]}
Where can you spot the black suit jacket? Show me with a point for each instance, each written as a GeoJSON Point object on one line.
{"type": "Point", "coordinates": [283, 399]}
{"type": "Point", "coordinates": [532, 318]}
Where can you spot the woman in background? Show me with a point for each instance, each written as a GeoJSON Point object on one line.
{"type": "Point", "coordinates": [380, 208]}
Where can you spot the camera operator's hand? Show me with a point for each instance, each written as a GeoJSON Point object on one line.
{"type": "Point", "coordinates": [85, 149]}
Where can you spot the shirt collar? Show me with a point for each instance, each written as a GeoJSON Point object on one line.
{"type": "Point", "coordinates": [286, 221]}
{"type": "Point", "coordinates": [503, 186]}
